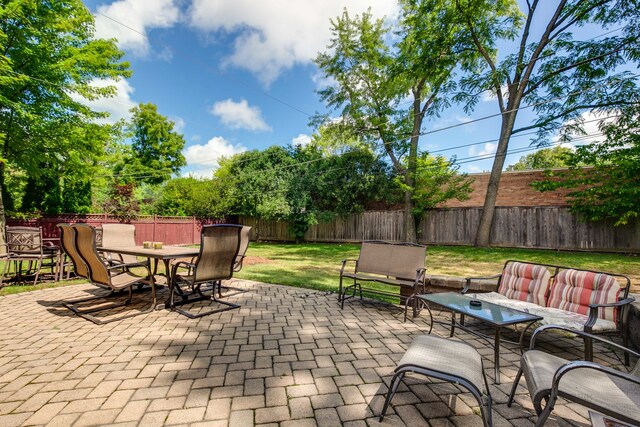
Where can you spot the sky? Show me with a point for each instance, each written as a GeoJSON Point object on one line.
{"type": "Point", "coordinates": [239, 75]}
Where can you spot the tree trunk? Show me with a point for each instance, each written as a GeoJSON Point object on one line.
{"type": "Point", "coordinates": [3, 220]}
{"type": "Point", "coordinates": [486, 220]}
{"type": "Point", "coordinates": [409, 218]}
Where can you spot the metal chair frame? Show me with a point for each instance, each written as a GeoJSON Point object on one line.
{"type": "Point", "coordinates": [551, 395]}
{"type": "Point", "coordinates": [196, 283]}
{"type": "Point", "coordinates": [87, 263]}
{"type": "Point", "coordinates": [25, 244]}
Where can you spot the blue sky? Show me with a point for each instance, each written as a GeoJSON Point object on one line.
{"type": "Point", "coordinates": [238, 75]}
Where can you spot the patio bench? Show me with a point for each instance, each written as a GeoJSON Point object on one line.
{"type": "Point", "coordinates": [584, 300]}
{"type": "Point", "coordinates": [395, 264]}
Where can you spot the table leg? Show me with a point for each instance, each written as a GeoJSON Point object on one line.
{"type": "Point", "coordinates": [453, 324]}
{"type": "Point", "coordinates": [496, 355]}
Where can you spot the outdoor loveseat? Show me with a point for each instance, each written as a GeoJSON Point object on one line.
{"type": "Point", "coordinates": [396, 264]}
{"type": "Point", "coordinates": [584, 300]}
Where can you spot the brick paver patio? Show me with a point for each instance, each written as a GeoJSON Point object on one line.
{"type": "Point", "coordinates": [288, 357]}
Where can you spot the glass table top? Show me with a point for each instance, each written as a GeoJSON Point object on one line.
{"type": "Point", "coordinates": [488, 312]}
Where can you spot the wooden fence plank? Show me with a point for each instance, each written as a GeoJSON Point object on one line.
{"type": "Point", "coordinates": [518, 227]}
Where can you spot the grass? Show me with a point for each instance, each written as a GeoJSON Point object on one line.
{"type": "Point", "coordinates": [317, 265]}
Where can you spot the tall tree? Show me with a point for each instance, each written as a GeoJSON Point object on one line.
{"type": "Point", "coordinates": [156, 148]}
{"type": "Point", "coordinates": [558, 75]}
{"type": "Point", "coordinates": [48, 54]}
{"type": "Point", "coordinates": [377, 72]}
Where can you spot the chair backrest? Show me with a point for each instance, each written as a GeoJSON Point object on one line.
{"type": "Point", "coordinates": [244, 245]}
{"type": "Point", "coordinates": [68, 244]}
{"type": "Point", "coordinates": [525, 282]}
{"type": "Point", "coordinates": [219, 245]}
{"type": "Point", "coordinates": [24, 240]}
{"type": "Point", "coordinates": [573, 290]}
{"type": "Point", "coordinates": [86, 246]}
{"type": "Point", "coordinates": [400, 260]}
{"type": "Point", "coordinates": [119, 235]}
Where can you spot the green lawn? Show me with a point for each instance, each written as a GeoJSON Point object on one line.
{"type": "Point", "coordinates": [317, 266]}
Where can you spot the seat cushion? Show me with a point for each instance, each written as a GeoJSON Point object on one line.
{"type": "Point", "coordinates": [574, 290]}
{"type": "Point", "coordinates": [448, 356]}
{"type": "Point", "coordinates": [594, 389]}
{"type": "Point", "coordinates": [525, 282]}
{"type": "Point", "coordinates": [550, 315]}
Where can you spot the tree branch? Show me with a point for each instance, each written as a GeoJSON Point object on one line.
{"type": "Point", "coordinates": [523, 40]}
{"type": "Point", "coordinates": [570, 110]}
{"type": "Point", "coordinates": [537, 84]}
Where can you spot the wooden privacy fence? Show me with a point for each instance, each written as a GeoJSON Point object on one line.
{"type": "Point", "coordinates": [518, 227]}
{"type": "Point", "coordinates": [171, 230]}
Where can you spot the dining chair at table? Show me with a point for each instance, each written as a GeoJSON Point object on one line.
{"type": "Point", "coordinates": [26, 245]}
{"type": "Point", "coordinates": [111, 277]}
{"type": "Point", "coordinates": [219, 246]}
{"type": "Point", "coordinates": [114, 235]}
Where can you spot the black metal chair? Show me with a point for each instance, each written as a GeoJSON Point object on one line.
{"type": "Point", "coordinates": [78, 241]}
{"type": "Point", "coordinates": [219, 246]}
{"type": "Point", "coordinates": [601, 388]}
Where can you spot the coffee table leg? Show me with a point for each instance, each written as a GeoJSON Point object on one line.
{"type": "Point", "coordinates": [496, 355]}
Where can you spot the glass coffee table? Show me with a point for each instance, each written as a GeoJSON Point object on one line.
{"type": "Point", "coordinates": [492, 314]}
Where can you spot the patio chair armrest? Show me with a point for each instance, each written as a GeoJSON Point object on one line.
{"type": "Point", "coordinates": [467, 281]}
{"type": "Point", "coordinates": [127, 265]}
{"type": "Point", "coordinates": [420, 275]}
{"type": "Point", "coordinates": [582, 364]}
{"type": "Point", "coordinates": [582, 334]}
{"type": "Point", "coordinates": [593, 311]}
{"type": "Point", "coordinates": [185, 264]}
{"type": "Point", "coordinates": [620, 303]}
{"type": "Point", "coordinates": [344, 264]}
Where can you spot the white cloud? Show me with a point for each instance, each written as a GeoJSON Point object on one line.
{"type": "Point", "coordinates": [128, 21]}
{"type": "Point", "coordinates": [117, 106]}
{"type": "Point", "coordinates": [178, 124]}
{"type": "Point", "coordinates": [473, 169]}
{"type": "Point", "coordinates": [487, 149]}
{"type": "Point", "coordinates": [451, 121]}
{"type": "Point", "coordinates": [272, 36]}
{"type": "Point", "coordinates": [490, 95]}
{"type": "Point", "coordinates": [591, 124]}
{"type": "Point", "coordinates": [302, 139]}
{"type": "Point", "coordinates": [239, 115]}
{"type": "Point", "coordinates": [202, 160]}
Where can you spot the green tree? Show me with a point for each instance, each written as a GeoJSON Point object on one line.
{"type": "Point", "coordinates": [547, 158]}
{"type": "Point", "coordinates": [190, 196]}
{"type": "Point", "coordinates": [156, 148]}
{"type": "Point", "coordinates": [48, 55]}
{"type": "Point", "coordinates": [375, 69]}
{"type": "Point", "coordinates": [557, 74]}
{"type": "Point", "coordinates": [436, 182]}
{"type": "Point", "coordinates": [610, 189]}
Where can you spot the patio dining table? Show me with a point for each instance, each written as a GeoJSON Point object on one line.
{"type": "Point", "coordinates": [164, 254]}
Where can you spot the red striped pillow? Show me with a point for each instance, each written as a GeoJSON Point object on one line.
{"type": "Point", "coordinates": [574, 290]}
{"type": "Point", "coordinates": [525, 282]}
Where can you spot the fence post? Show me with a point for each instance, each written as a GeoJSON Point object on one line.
{"type": "Point", "coordinates": [154, 227]}
{"type": "Point", "coordinates": [193, 230]}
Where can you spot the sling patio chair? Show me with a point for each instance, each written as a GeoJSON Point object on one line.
{"type": "Point", "coordinates": [112, 277]}
{"type": "Point", "coordinates": [448, 360]}
{"type": "Point", "coordinates": [600, 388]}
{"type": "Point", "coordinates": [26, 245]}
{"type": "Point", "coordinates": [219, 246]}
{"type": "Point", "coordinates": [114, 235]}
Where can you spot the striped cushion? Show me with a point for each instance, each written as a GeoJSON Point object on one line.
{"type": "Point", "coordinates": [574, 290]}
{"type": "Point", "coordinates": [525, 282]}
